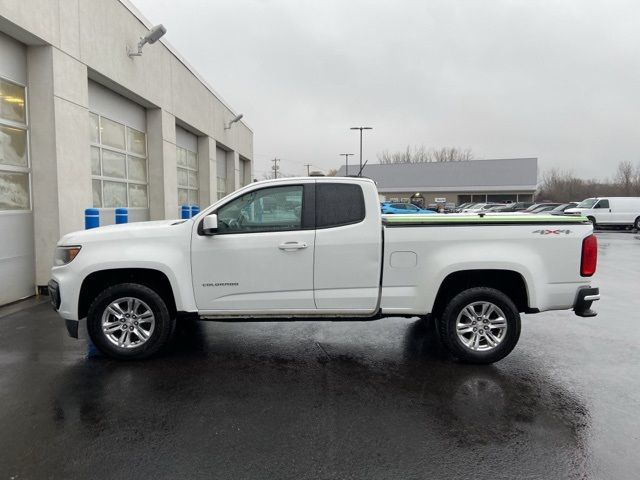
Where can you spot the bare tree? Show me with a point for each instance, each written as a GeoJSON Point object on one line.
{"type": "Point", "coordinates": [422, 154]}
{"type": "Point", "coordinates": [563, 186]}
{"type": "Point", "coordinates": [625, 178]}
{"type": "Point", "coordinates": [451, 154]}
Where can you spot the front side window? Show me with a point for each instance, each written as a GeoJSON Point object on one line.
{"type": "Point", "coordinates": [338, 204]}
{"type": "Point", "coordinates": [187, 176]}
{"type": "Point", "coordinates": [118, 164]}
{"type": "Point", "coordinates": [602, 204]}
{"type": "Point", "coordinates": [14, 161]}
{"type": "Point", "coordinates": [267, 210]}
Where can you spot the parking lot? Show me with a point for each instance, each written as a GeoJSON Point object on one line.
{"type": "Point", "coordinates": [331, 400]}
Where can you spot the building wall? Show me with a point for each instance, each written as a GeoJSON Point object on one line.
{"type": "Point", "coordinates": [76, 48]}
{"type": "Point", "coordinates": [460, 197]}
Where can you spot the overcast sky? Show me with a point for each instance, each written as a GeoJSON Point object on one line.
{"type": "Point", "coordinates": [557, 79]}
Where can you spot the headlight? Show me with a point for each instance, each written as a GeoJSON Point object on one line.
{"type": "Point", "coordinates": [65, 255]}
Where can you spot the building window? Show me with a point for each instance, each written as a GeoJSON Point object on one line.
{"type": "Point", "coordinates": [221, 172]}
{"type": "Point", "coordinates": [187, 176]}
{"type": "Point", "coordinates": [14, 156]}
{"type": "Point", "coordinates": [118, 164]}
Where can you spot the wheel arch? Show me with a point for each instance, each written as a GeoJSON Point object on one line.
{"type": "Point", "coordinates": [97, 281]}
{"type": "Point", "coordinates": [509, 282]}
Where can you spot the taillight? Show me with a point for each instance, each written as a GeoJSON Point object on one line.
{"type": "Point", "coordinates": [589, 256]}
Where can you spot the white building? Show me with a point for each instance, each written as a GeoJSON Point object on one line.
{"type": "Point", "coordinates": [83, 124]}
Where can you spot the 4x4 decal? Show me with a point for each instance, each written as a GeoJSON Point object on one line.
{"type": "Point", "coordinates": [552, 231]}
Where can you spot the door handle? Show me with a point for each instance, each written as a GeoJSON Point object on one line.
{"type": "Point", "coordinates": [292, 246]}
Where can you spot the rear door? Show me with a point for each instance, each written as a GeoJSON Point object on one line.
{"type": "Point", "coordinates": [348, 249]}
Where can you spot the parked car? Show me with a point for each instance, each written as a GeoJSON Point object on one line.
{"type": "Point", "coordinates": [399, 208]}
{"type": "Point", "coordinates": [544, 208]}
{"type": "Point", "coordinates": [535, 206]}
{"type": "Point", "coordinates": [480, 207]}
{"type": "Point", "coordinates": [230, 262]}
{"type": "Point", "coordinates": [559, 210]}
{"type": "Point", "coordinates": [511, 207]}
{"type": "Point", "coordinates": [462, 206]}
{"type": "Point", "coordinates": [620, 211]}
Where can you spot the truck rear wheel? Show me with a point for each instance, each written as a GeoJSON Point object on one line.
{"type": "Point", "coordinates": [129, 321]}
{"type": "Point", "coordinates": [480, 325]}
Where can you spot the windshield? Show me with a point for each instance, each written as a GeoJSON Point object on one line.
{"type": "Point", "coordinates": [588, 203]}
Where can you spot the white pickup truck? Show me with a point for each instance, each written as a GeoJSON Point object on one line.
{"type": "Point", "coordinates": [318, 248]}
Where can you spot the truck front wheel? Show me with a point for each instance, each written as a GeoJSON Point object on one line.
{"type": "Point", "coordinates": [129, 321]}
{"type": "Point", "coordinates": [480, 325]}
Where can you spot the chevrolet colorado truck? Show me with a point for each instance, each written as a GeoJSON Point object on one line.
{"type": "Point", "coordinates": [318, 248]}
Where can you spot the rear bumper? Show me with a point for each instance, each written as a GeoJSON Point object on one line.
{"type": "Point", "coordinates": [586, 296]}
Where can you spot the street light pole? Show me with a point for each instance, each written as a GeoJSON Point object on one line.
{"type": "Point", "coordinates": [346, 160]}
{"type": "Point", "coordinates": [361, 129]}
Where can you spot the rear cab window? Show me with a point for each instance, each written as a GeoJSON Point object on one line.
{"type": "Point", "coordinates": [338, 204]}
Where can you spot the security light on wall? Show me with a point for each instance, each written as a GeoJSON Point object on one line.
{"type": "Point", "coordinates": [237, 119]}
{"type": "Point", "coordinates": [152, 37]}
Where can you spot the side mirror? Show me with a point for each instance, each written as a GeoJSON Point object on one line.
{"type": "Point", "coordinates": [210, 224]}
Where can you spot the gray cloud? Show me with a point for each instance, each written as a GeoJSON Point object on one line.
{"type": "Point", "coordinates": [554, 79]}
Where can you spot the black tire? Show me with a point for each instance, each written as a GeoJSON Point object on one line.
{"type": "Point", "coordinates": [636, 224]}
{"type": "Point", "coordinates": [593, 222]}
{"type": "Point", "coordinates": [163, 327]}
{"type": "Point", "coordinates": [449, 318]}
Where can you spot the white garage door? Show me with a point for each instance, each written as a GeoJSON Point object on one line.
{"type": "Point", "coordinates": [16, 215]}
{"type": "Point", "coordinates": [118, 155]}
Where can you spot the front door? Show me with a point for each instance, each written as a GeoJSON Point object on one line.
{"type": "Point", "coordinates": [261, 259]}
{"type": "Point", "coordinates": [602, 211]}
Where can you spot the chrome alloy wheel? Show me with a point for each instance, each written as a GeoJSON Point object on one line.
{"type": "Point", "coordinates": [481, 326]}
{"type": "Point", "coordinates": [128, 322]}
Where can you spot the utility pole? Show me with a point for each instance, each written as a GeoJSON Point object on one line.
{"type": "Point", "coordinates": [275, 167]}
{"type": "Point", "coordinates": [361, 129]}
{"type": "Point", "coordinates": [346, 161]}
{"type": "Point", "coordinates": [307, 165]}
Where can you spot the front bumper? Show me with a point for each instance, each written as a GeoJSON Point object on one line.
{"type": "Point", "coordinates": [586, 296]}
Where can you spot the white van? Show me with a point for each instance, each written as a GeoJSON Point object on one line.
{"type": "Point", "coordinates": [610, 210]}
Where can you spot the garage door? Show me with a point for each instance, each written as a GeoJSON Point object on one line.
{"type": "Point", "coordinates": [16, 216]}
{"type": "Point", "coordinates": [118, 155]}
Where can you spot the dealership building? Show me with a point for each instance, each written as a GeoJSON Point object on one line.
{"type": "Point", "coordinates": [84, 124]}
{"type": "Point", "coordinates": [499, 180]}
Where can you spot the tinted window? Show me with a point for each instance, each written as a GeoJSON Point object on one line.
{"type": "Point", "coordinates": [399, 206]}
{"type": "Point", "coordinates": [603, 204]}
{"type": "Point", "coordinates": [338, 204]}
{"type": "Point", "coordinates": [266, 210]}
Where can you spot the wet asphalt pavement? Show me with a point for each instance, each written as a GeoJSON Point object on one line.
{"type": "Point", "coordinates": [331, 400]}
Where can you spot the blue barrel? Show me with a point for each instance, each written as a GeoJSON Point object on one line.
{"type": "Point", "coordinates": [195, 209]}
{"type": "Point", "coordinates": [185, 211]}
{"type": "Point", "coordinates": [122, 215]}
{"type": "Point", "coordinates": [91, 218]}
